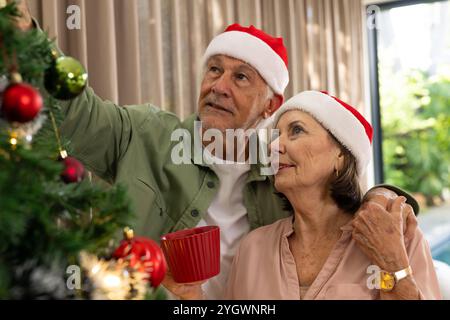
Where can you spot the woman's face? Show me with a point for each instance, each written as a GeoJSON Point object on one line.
{"type": "Point", "coordinates": [308, 155]}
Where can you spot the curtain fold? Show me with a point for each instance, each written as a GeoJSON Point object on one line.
{"type": "Point", "coordinates": [140, 51]}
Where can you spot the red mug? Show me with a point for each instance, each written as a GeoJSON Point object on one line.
{"type": "Point", "coordinates": [193, 254]}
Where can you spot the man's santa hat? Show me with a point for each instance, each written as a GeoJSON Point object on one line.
{"type": "Point", "coordinates": [344, 122]}
{"type": "Point", "coordinates": [265, 53]}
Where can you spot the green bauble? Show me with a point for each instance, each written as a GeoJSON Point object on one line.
{"type": "Point", "coordinates": [66, 78]}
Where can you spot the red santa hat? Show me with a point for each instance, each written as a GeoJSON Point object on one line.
{"type": "Point", "coordinates": [265, 53]}
{"type": "Point", "coordinates": [346, 124]}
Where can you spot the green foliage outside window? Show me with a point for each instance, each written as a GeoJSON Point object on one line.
{"type": "Point", "coordinates": [416, 132]}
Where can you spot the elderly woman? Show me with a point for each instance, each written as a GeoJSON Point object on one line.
{"type": "Point", "coordinates": [326, 250]}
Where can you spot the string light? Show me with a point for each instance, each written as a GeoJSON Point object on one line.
{"type": "Point", "coordinates": [113, 279]}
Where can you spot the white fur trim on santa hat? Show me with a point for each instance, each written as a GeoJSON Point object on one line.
{"type": "Point", "coordinates": [345, 127]}
{"type": "Point", "coordinates": [254, 51]}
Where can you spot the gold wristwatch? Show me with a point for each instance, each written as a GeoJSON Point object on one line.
{"type": "Point", "coordinates": [388, 280]}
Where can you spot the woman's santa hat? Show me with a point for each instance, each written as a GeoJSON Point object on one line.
{"type": "Point", "coordinates": [344, 122]}
{"type": "Point", "coordinates": [265, 53]}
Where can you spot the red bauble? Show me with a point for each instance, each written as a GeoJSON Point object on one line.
{"type": "Point", "coordinates": [144, 255]}
{"type": "Point", "coordinates": [21, 103]}
{"type": "Point", "coordinates": [73, 170]}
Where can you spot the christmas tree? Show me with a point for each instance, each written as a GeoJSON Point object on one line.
{"type": "Point", "coordinates": [53, 218]}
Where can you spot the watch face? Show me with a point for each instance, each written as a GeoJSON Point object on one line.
{"type": "Point", "coordinates": [387, 281]}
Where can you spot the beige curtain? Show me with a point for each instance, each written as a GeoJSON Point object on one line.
{"type": "Point", "coordinates": [150, 50]}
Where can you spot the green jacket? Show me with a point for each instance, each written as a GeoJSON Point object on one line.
{"type": "Point", "coordinates": [132, 146]}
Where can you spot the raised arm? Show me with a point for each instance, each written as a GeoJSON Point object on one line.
{"type": "Point", "coordinates": [99, 131]}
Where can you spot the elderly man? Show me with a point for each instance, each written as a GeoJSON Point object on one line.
{"type": "Point", "coordinates": [243, 83]}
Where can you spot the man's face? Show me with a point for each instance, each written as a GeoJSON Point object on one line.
{"type": "Point", "coordinates": [232, 95]}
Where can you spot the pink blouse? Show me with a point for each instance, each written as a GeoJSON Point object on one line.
{"type": "Point", "coordinates": [264, 268]}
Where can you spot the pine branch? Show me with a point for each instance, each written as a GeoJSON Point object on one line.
{"type": "Point", "coordinates": [45, 223]}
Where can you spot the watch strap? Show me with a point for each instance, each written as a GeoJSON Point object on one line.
{"type": "Point", "coordinates": [399, 275]}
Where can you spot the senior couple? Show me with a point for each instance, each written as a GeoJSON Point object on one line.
{"type": "Point", "coordinates": [307, 232]}
{"type": "Point", "coordinates": [333, 246]}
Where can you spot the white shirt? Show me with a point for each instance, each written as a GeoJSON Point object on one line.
{"type": "Point", "coordinates": [227, 210]}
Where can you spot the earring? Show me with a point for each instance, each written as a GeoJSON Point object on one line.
{"type": "Point", "coordinates": [337, 173]}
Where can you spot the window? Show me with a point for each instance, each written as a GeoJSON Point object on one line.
{"type": "Point", "coordinates": [410, 92]}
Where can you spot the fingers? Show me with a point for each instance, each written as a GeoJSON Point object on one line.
{"type": "Point", "coordinates": [409, 214]}
{"type": "Point", "coordinates": [360, 226]}
{"type": "Point", "coordinates": [410, 222]}
{"type": "Point", "coordinates": [382, 196]}
{"type": "Point", "coordinates": [370, 218]}
{"type": "Point", "coordinates": [169, 282]}
{"type": "Point", "coordinates": [370, 208]}
{"type": "Point", "coordinates": [184, 291]}
{"type": "Point", "coordinates": [367, 218]}
{"type": "Point", "coordinates": [358, 237]}
{"type": "Point", "coordinates": [398, 206]}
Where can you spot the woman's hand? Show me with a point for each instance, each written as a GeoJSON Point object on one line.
{"type": "Point", "coordinates": [379, 232]}
{"type": "Point", "coordinates": [184, 291]}
{"type": "Point", "coordinates": [385, 197]}
{"type": "Point", "coordinates": [24, 22]}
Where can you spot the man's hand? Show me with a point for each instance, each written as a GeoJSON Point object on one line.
{"type": "Point", "coordinates": [24, 22]}
{"type": "Point", "coordinates": [385, 198]}
{"type": "Point", "coordinates": [184, 291]}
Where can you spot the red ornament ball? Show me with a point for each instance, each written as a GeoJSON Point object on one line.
{"type": "Point", "coordinates": [21, 103]}
{"type": "Point", "coordinates": [144, 255]}
{"type": "Point", "coordinates": [73, 170]}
